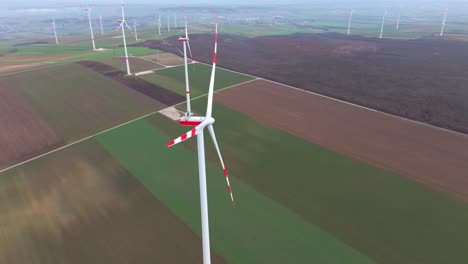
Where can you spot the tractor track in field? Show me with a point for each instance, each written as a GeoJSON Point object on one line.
{"type": "Point", "coordinates": [151, 90]}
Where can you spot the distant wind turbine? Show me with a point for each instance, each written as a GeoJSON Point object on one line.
{"type": "Point", "coordinates": [55, 32]}
{"type": "Point", "coordinates": [100, 22]}
{"type": "Point", "coordinates": [159, 25]}
{"type": "Point", "coordinates": [175, 21]}
{"type": "Point", "coordinates": [398, 20]}
{"type": "Point", "coordinates": [135, 29]}
{"type": "Point", "coordinates": [383, 23]}
{"type": "Point", "coordinates": [200, 123]}
{"type": "Point", "coordinates": [349, 22]}
{"type": "Point", "coordinates": [443, 23]}
{"type": "Point", "coordinates": [122, 26]}
{"type": "Point", "coordinates": [88, 9]}
{"type": "Point", "coordinates": [168, 24]}
{"type": "Point", "coordinates": [186, 43]}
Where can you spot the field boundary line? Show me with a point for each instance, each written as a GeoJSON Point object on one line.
{"type": "Point", "coordinates": [345, 102]}
{"type": "Point", "coordinates": [114, 127]}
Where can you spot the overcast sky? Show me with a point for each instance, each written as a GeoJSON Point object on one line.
{"type": "Point", "coordinates": [51, 3]}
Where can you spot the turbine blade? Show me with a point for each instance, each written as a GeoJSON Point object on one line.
{"type": "Point", "coordinates": [187, 38]}
{"type": "Point", "coordinates": [195, 131]}
{"type": "Point", "coordinates": [129, 28]}
{"type": "Point", "coordinates": [189, 49]}
{"type": "Point", "coordinates": [120, 26]}
{"type": "Point", "coordinates": [209, 106]}
{"type": "Point", "coordinates": [226, 175]}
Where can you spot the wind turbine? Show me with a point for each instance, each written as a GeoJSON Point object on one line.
{"type": "Point", "coordinates": [349, 22]}
{"type": "Point", "coordinates": [175, 21]}
{"type": "Point", "coordinates": [200, 124]}
{"type": "Point", "coordinates": [102, 28]}
{"type": "Point", "coordinates": [443, 23]}
{"type": "Point", "coordinates": [122, 26]}
{"type": "Point", "coordinates": [383, 23]}
{"type": "Point", "coordinates": [55, 32]}
{"type": "Point", "coordinates": [168, 25]}
{"type": "Point", "coordinates": [135, 28]}
{"type": "Point", "coordinates": [399, 17]}
{"type": "Point", "coordinates": [88, 9]}
{"type": "Point", "coordinates": [186, 43]}
{"type": "Point", "coordinates": [159, 25]}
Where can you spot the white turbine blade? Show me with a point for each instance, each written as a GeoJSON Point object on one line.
{"type": "Point", "coordinates": [187, 84]}
{"type": "Point", "coordinates": [226, 175]}
{"type": "Point", "coordinates": [195, 131]}
{"type": "Point", "coordinates": [187, 38]}
{"type": "Point", "coordinates": [190, 49]}
{"type": "Point", "coordinates": [129, 28]}
{"type": "Point", "coordinates": [209, 106]}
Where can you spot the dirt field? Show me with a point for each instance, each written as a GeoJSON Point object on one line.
{"type": "Point", "coordinates": [160, 94]}
{"type": "Point", "coordinates": [23, 132]}
{"type": "Point", "coordinates": [428, 155]}
{"type": "Point", "coordinates": [81, 206]}
{"type": "Point", "coordinates": [166, 58]}
{"type": "Point", "coordinates": [423, 79]}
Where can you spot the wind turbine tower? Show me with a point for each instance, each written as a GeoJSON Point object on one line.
{"type": "Point", "coordinates": [55, 32]}
{"type": "Point", "coordinates": [383, 23]}
{"type": "Point", "coordinates": [135, 29]}
{"type": "Point", "coordinates": [443, 23]}
{"type": "Point", "coordinates": [102, 28]}
{"type": "Point", "coordinates": [168, 24]}
{"type": "Point", "coordinates": [159, 25]}
{"type": "Point", "coordinates": [122, 26]}
{"type": "Point", "coordinates": [175, 21]}
{"type": "Point", "coordinates": [91, 26]}
{"type": "Point", "coordinates": [398, 20]}
{"type": "Point", "coordinates": [349, 22]}
{"type": "Point", "coordinates": [200, 123]}
{"type": "Point", "coordinates": [186, 44]}
{"type": "Point", "coordinates": [88, 9]}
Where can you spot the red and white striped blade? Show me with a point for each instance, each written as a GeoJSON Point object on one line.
{"type": "Point", "coordinates": [120, 26]}
{"type": "Point", "coordinates": [226, 175]}
{"type": "Point", "coordinates": [189, 134]}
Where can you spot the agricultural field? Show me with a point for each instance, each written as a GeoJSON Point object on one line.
{"type": "Point", "coordinates": [17, 120]}
{"type": "Point", "coordinates": [81, 206]}
{"type": "Point", "coordinates": [315, 179]}
{"type": "Point", "coordinates": [155, 92]}
{"type": "Point", "coordinates": [76, 102]}
{"type": "Point", "coordinates": [420, 79]}
{"type": "Point", "coordinates": [241, 234]}
{"type": "Point", "coordinates": [173, 79]}
{"type": "Point", "coordinates": [434, 157]}
{"type": "Point", "coordinates": [166, 59]}
{"type": "Point", "coordinates": [136, 64]}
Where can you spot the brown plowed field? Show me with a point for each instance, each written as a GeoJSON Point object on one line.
{"type": "Point", "coordinates": [80, 206]}
{"type": "Point", "coordinates": [432, 156]}
{"type": "Point", "coordinates": [422, 79]}
{"type": "Point", "coordinates": [23, 133]}
{"type": "Point", "coordinates": [153, 91]}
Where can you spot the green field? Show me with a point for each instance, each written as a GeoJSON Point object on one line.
{"type": "Point", "coordinates": [113, 53]}
{"type": "Point", "coordinates": [258, 230]}
{"type": "Point", "coordinates": [199, 76]}
{"type": "Point", "coordinates": [78, 102]}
